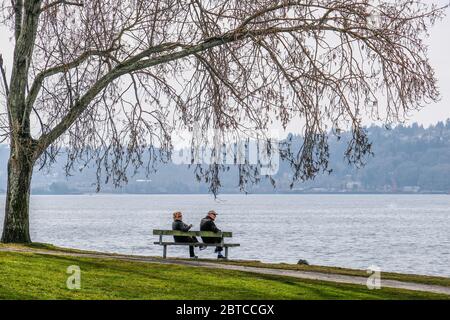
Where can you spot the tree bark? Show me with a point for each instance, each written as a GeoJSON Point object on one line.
{"type": "Point", "coordinates": [16, 225]}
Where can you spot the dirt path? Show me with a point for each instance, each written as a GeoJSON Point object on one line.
{"type": "Point", "coordinates": [279, 272]}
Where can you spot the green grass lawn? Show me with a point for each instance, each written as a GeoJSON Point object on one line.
{"type": "Point", "coordinates": [35, 276]}
{"type": "Point", "coordinates": [434, 280]}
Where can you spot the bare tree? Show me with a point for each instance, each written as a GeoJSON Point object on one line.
{"type": "Point", "coordinates": [109, 80]}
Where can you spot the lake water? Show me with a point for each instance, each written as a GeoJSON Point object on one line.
{"type": "Point", "coordinates": [403, 233]}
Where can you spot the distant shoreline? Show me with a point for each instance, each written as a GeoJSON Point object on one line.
{"type": "Point", "coordinates": [238, 193]}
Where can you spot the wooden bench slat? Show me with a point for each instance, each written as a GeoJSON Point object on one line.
{"type": "Point", "coordinates": [207, 234]}
{"type": "Point", "coordinates": [197, 244]}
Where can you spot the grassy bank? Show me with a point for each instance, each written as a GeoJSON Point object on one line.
{"type": "Point", "coordinates": [422, 279]}
{"type": "Point", "coordinates": [26, 275]}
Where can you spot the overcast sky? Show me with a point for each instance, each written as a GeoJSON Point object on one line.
{"type": "Point", "coordinates": [439, 53]}
{"type": "Point", "coordinates": [440, 59]}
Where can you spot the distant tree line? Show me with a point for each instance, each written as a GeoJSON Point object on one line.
{"type": "Point", "coordinates": [406, 159]}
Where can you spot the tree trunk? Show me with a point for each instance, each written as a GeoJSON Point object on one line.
{"type": "Point", "coordinates": [16, 225]}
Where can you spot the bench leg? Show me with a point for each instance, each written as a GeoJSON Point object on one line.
{"type": "Point", "coordinates": [165, 252]}
{"type": "Point", "coordinates": [226, 252]}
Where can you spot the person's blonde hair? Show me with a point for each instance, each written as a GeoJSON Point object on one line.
{"type": "Point", "coordinates": [176, 214]}
{"type": "Point", "coordinates": [212, 212]}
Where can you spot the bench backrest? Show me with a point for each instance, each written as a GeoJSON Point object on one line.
{"type": "Point", "coordinates": [207, 234]}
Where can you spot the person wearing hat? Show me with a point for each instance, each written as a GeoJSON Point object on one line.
{"type": "Point", "coordinates": [179, 225]}
{"type": "Point", "coordinates": [207, 224]}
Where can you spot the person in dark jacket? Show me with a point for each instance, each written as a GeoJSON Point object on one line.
{"type": "Point", "coordinates": [179, 225]}
{"type": "Point", "coordinates": [207, 224]}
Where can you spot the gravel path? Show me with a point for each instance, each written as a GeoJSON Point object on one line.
{"type": "Point", "coordinates": [279, 272]}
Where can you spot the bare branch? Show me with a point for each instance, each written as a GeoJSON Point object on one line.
{"type": "Point", "coordinates": [18, 12]}
{"type": "Point", "coordinates": [37, 84]}
{"type": "Point", "coordinates": [2, 70]}
{"type": "Point", "coordinates": [62, 2]}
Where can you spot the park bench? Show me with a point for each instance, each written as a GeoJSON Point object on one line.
{"type": "Point", "coordinates": [207, 234]}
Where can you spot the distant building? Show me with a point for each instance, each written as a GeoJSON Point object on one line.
{"type": "Point", "coordinates": [411, 189]}
{"type": "Point", "coordinates": [353, 186]}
